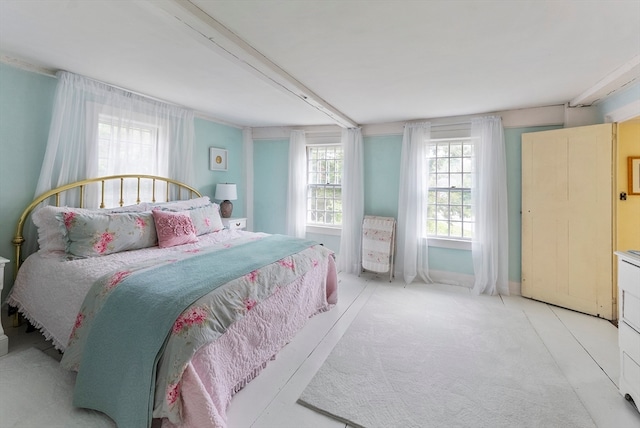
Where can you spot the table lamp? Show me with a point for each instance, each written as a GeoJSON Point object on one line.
{"type": "Point", "coordinates": [226, 192]}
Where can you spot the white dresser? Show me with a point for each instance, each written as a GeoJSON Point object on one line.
{"type": "Point", "coordinates": [629, 324]}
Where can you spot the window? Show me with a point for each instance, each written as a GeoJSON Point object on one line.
{"type": "Point", "coordinates": [450, 213]}
{"type": "Point", "coordinates": [129, 147]}
{"type": "Point", "coordinates": [324, 185]}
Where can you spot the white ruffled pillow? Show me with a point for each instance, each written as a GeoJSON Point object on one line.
{"type": "Point", "coordinates": [181, 205]}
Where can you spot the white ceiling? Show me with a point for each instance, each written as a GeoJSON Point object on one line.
{"type": "Point", "coordinates": [363, 61]}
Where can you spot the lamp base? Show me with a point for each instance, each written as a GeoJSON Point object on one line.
{"type": "Point", "coordinates": [226, 207]}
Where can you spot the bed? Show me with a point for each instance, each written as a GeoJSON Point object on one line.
{"type": "Point", "coordinates": [163, 313]}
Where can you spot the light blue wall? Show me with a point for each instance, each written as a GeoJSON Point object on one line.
{"type": "Point", "coordinates": [26, 102]}
{"type": "Point", "coordinates": [25, 114]}
{"type": "Point", "coordinates": [382, 174]}
{"type": "Point", "coordinates": [270, 174]}
{"type": "Point", "coordinates": [210, 134]}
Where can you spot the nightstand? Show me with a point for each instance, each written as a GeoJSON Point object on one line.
{"type": "Point", "coordinates": [235, 223]}
{"type": "Point", "coordinates": [4, 340]}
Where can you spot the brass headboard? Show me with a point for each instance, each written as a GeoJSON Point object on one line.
{"type": "Point", "coordinates": [181, 190]}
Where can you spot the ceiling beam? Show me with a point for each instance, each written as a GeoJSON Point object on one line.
{"type": "Point", "coordinates": [619, 78]}
{"type": "Point", "coordinates": [225, 42]}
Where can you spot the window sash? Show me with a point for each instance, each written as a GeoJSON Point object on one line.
{"type": "Point", "coordinates": [449, 209]}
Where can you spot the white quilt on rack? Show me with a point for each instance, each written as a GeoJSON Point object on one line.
{"type": "Point", "coordinates": [377, 243]}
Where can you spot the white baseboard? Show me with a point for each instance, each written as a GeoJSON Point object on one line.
{"type": "Point", "coordinates": [452, 278]}
{"type": "Point", "coordinates": [459, 279]}
{"type": "Point", "coordinates": [465, 280]}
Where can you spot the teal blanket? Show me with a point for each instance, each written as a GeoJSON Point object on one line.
{"type": "Point", "coordinates": [118, 367]}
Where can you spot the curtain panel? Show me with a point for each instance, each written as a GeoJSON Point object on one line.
{"type": "Point", "coordinates": [297, 189]}
{"type": "Point", "coordinates": [247, 153]}
{"type": "Point", "coordinates": [412, 254]}
{"type": "Point", "coordinates": [349, 256]}
{"type": "Point", "coordinates": [80, 103]}
{"type": "Point", "coordinates": [490, 246]}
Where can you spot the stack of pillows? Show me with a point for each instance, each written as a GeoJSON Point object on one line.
{"type": "Point", "coordinates": [88, 233]}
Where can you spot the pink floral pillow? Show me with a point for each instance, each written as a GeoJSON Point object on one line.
{"type": "Point", "coordinates": [91, 234]}
{"type": "Point", "coordinates": [174, 228]}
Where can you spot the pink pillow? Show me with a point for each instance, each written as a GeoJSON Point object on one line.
{"type": "Point", "coordinates": [174, 228]}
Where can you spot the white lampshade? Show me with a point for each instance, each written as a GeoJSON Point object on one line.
{"type": "Point", "coordinates": [226, 192]}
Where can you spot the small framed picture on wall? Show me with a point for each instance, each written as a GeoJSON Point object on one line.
{"type": "Point", "coordinates": [634, 175]}
{"type": "Point", "coordinates": [217, 159]}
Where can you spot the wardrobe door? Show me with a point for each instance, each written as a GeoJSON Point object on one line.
{"type": "Point", "coordinates": [567, 219]}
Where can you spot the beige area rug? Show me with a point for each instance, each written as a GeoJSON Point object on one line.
{"type": "Point", "coordinates": [36, 392]}
{"type": "Point", "coordinates": [424, 358]}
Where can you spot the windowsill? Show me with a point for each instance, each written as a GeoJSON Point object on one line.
{"type": "Point", "coordinates": [324, 230]}
{"type": "Point", "coordinates": [455, 244]}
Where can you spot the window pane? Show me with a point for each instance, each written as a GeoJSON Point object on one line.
{"type": "Point", "coordinates": [455, 212]}
{"type": "Point", "coordinates": [442, 150]}
{"type": "Point", "coordinates": [442, 180]}
{"type": "Point", "coordinates": [431, 211]}
{"type": "Point", "coordinates": [431, 227]}
{"type": "Point", "coordinates": [442, 164]}
{"type": "Point", "coordinates": [442, 212]}
{"type": "Point", "coordinates": [442, 228]}
{"type": "Point", "coordinates": [456, 229]}
{"type": "Point", "coordinates": [455, 165]}
{"type": "Point", "coordinates": [455, 180]}
{"type": "Point", "coordinates": [442, 197]}
{"type": "Point", "coordinates": [455, 197]}
{"type": "Point", "coordinates": [466, 165]}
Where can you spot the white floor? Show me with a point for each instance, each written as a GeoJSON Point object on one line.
{"type": "Point", "coordinates": [584, 347]}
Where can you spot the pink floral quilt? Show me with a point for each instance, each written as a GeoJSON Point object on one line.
{"type": "Point", "coordinates": [227, 323]}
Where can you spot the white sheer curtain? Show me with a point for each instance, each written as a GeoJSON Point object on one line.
{"type": "Point", "coordinates": [247, 149]}
{"type": "Point", "coordinates": [297, 192]}
{"type": "Point", "coordinates": [352, 201]}
{"type": "Point", "coordinates": [412, 253]}
{"type": "Point", "coordinates": [490, 248]}
{"type": "Point", "coordinates": [86, 112]}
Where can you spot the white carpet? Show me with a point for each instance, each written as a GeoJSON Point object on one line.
{"type": "Point", "coordinates": [36, 392]}
{"type": "Point", "coordinates": [432, 359]}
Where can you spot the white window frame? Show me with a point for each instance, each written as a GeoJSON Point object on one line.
{"type": "Point", "coordinates": [450, 133]}
{"type": "Point", "coordinates": [315, 142]}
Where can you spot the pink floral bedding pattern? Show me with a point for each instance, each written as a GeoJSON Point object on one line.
{"type": "Point", "coordinates": [91, 234]}
{"type": "Point", "coordinates": [203, 322]}
{"type": "Point", "coordinates": [210, 381]}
